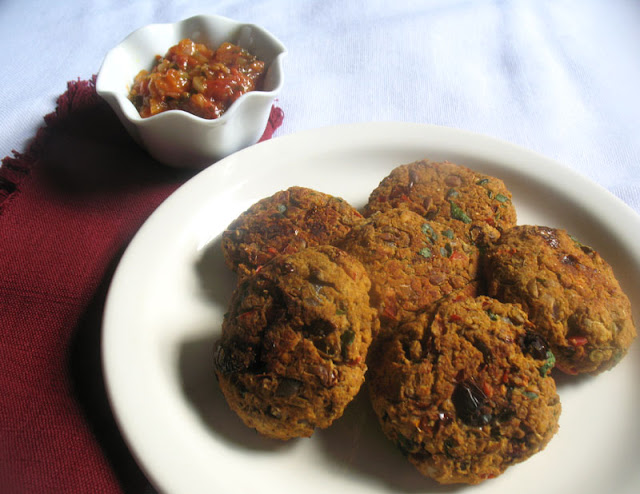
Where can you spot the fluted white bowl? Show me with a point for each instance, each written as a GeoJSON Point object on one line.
{"type": "Point", "coordinates": [176, 137]}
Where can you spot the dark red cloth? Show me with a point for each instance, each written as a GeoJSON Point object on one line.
{"type": "Point", "coordinates": [69, 206]}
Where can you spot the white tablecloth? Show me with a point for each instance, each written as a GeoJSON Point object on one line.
{"type": "Point", "coordinates": [560, 77]}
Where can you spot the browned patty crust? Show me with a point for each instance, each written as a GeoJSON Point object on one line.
{"type": "Point", "coordinates": [284, 223]}
{"type": "Point", "coordinates": [294, 342]}
{"type": "Point", "coordinates": [412, 262]}
{"type": "Point", "coordinates": [476, 206]}
{"type": "Point", "coordinates": [569, 292]}
{"type": "Point", "coordinates": [465, 393]}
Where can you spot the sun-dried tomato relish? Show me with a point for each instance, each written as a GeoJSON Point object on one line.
{"type": "Point", "coordinates": [196, 79]}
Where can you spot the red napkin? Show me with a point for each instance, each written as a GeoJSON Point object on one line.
{"type": "Point", "coordinates": [68, 207]}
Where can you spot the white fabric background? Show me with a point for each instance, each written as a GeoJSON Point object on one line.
{"type": "Point", "coordinates": [560, 77]}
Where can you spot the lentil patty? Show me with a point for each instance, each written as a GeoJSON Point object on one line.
{"type": "Point", "coordinates": [569, 292]}
{"type": "Point", "coordinates": [294, 342]}
{"type": "Point", "coordinates": [465, 393]}
{"type": "Point", "coordinates": [412, 262]}
{"type": "Point", "coordinates": [476, 206]}
{"type": "Point", "coordinates": [284, 223]}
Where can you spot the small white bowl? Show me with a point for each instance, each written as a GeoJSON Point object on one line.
{"type": "Point", "coordinates": [176, 137]}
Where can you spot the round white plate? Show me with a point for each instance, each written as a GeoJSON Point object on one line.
{"type": "Point", "coordinates": [171, 289]}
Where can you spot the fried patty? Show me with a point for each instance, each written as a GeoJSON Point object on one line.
{"type": "Point", "coordinates": [412, 262]}
{"type": "Point", "coordinates": [476, 206]}
{"type": "Point", "coordinates": [569, 292]}
{"type": "Point", "coordinates": [465, 393]}
{"type": "Point", "coordinates": [284, 223]}
{"type": "Point", "coordinates": [294, 342]}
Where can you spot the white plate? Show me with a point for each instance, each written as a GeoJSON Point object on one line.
{"type": "Point", "coordinates": [171, 290]}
